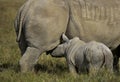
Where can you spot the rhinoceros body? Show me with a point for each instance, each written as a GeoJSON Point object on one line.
{"type": "Point", "coordinates": [40, 23]}
{"type": "Point", "coordinates": [84, 57]}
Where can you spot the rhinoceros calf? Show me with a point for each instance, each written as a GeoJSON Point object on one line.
{"type": "Point", "coordinates": [83, 57]}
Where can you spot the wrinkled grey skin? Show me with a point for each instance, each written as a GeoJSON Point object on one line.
{"type": "Point", "coordinates": [40, 23]}
{"type": "Point", "coordinates": [84, 57]}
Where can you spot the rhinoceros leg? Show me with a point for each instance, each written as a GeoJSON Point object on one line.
{"type": "Point", "coordinates": [72, 70]}
{"type": "Point", "coordinates": [115, 64]}
{"type": "Point", "coordinates": [116, 53]}
{"type": "Point", "coordinates": [109, 62]}
{"type": "Point", "coordinates": [29, 59]}
{"type": "Point", "coordinates": [94, 68]}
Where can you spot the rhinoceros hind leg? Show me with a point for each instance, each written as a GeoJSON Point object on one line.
{"type": "Point", "coordinates": [29, 59]}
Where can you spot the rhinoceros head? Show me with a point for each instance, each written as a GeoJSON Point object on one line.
{"type": "Point", "coordinates": [59, 51]}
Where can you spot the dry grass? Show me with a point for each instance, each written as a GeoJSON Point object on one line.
{"type": "Point", "coordinates": [49, 69]}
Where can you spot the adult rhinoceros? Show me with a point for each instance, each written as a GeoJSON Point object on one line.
{"type": "Point", "coordinates": [40, 24]}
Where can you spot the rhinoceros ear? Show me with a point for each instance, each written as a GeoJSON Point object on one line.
{"type": "Point", "coordinates": [65, 38]}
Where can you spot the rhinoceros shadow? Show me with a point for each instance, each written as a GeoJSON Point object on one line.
{"type": "Point", "coordinates": [58, 69]}
{"type": "Point", "coordinates": [8, 66]}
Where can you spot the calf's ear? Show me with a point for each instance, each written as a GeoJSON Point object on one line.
{"type": "Point", "coordinates": [65, 38]}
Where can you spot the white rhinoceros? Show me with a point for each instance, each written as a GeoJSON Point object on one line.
{"type": "Point", "coordinates": [40, 23]}
{"type": "Point", "coordinates": [84, 57]}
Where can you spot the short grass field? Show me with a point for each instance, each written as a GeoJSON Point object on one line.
{"type": "Point", "coordinates": [49, 69]}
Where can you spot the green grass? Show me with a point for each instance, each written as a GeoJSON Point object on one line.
{"type": "Point", "coordinates": [49, 69]}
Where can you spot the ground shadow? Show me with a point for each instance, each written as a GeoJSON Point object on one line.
{"type": "Point", "coordinates": [58, 69]}
{"type": "Point", "coordinates": [7, 66]}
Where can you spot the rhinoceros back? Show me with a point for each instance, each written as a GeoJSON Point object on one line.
{"type": "Point", "coordinates": [97, 20]}
{"type": "Point", "coordinates": [95, 9]}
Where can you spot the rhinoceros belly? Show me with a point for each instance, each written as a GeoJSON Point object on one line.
{"type": "Point", "coordinates": [97, 20]}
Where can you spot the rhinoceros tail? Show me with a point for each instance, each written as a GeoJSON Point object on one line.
{"type": "Point", "coordinates": [19, 33]}
{"type": "Point", "coordinates": [19, 21]}
{"type": "Point", "coordinates": [18, 24]}
{"type": "Point", "coordinates": [21, 15]}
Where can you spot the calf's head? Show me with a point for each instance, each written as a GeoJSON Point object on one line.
{"type": "Point", "coordinates": [59, 51]}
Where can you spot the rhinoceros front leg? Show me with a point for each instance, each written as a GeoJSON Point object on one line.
{"type": "Point", "coordinates": [116, 54]}
{"type": "Point", "coordinates": [29, 59]}
{"type": "Point", "coordinates": [72, 70]}
{"type": "Point", "coordinates": [116, 64]}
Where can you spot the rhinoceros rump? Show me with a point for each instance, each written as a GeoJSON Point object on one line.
{"type": "Point", "coordinates": [40, 23]}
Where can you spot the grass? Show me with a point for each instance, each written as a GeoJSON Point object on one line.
{"type": "Point", "coordinates": [49, 69]}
